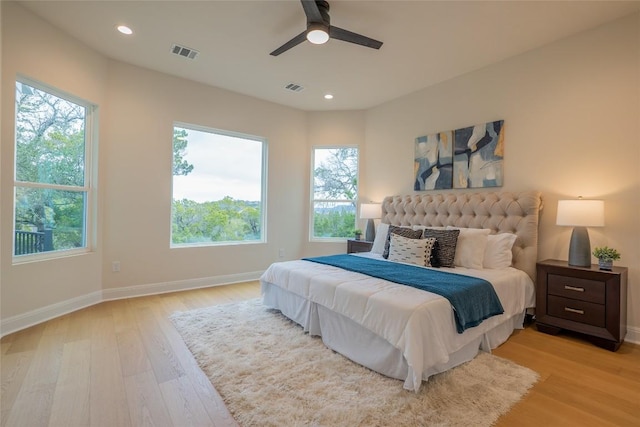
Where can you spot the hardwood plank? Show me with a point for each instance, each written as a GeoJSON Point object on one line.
{"type": "Point", "coordinates": [103, 309]}
{"type": "Point", "coordinates": [169, 304]}
{"type": "Point", "coordinates": [123, 316]}
{"type": "Point", "coordinates": [32, 405]}
{"type": "Point", "coordinates": [79, 326]}
{"type": "Point", "coordinates": [583, 381]}
{"type": "Point", "coordinates": [579, 393]}
{"type": "Point", "coordinates": [59, 325]}
{"type": "Point", "coordinates": [208, 395]}
{"type": "Point", "coordinates": [630, 371]}
{"type": "Point", "coordinates": [146, 406]}
{"type": "Point", "coordinates": [13, 370]}
{"type": "Point", "coordinates": [133, 355]}
{"type": "Point", "coordinates": [539, 410]}
{"type": "Point", "coordinates": [163, 360]}
{"type": "Point", "coordinates": [5, 343]}
{"type": "Point", "coordinates": [183, 403]}
{"type": "Point", "coordinates": [26, 339]}
{"type": "Point", "coordinates": [247, 290]}
{"type": "Point", "coordinates": [140, 303]}
{"type": "Point", "coordinates": [71, 397]}
{"type": "Point", "coordinates": [107, 403]}
{"type": "Point", "coordinates": [547, 364]}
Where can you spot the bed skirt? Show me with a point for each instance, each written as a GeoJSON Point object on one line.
{"type": "Point", "coordinates": [366, 348]}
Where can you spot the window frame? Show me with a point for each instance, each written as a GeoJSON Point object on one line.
{"type": "Point", "coordinates": [313, 200]}
{"type": "Point", "coordinates": [263, 187]}
{"type": "Point", "coordinates": [90, 176]}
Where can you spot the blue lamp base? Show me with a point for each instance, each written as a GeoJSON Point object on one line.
{"type": "Point", "coordinates": [580, 248]}
{"type": "Point", "coordinates": [370, 232]}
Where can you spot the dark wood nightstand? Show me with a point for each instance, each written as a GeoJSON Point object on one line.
{"type": "Point", "coordinates": [358, 246]}
{"type": "Point", "coordinates": [587, 300]}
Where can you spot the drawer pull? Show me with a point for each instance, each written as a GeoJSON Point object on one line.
{"type": "Point", "coordinates": [573, 288]}
{"type": "Point", "coordinates": [573, 310]}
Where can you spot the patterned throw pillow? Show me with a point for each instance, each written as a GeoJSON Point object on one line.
{"type": "Point", "coordinates": [412, 251]}
{"type": "Point", "coordinates": [444, 252]}
{"type": "Point", "coordinates": [402, 231]}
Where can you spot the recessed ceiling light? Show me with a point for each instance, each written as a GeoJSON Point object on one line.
{"type": "Point", "coordinates": [125, 30]}
{"type": "Point", "coordinates": [328, 96]}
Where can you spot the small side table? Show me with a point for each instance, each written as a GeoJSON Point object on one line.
{"type": "Point", "coordinates": [587, 300]}
{"type": "Point", "coordinates": [358, 246]}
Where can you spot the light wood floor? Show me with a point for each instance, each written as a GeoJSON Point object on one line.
{"type": "Point", "coordinates": [121, 363]}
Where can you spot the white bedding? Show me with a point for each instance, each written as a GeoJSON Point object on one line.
{"type": "Point", "coordinates": [419, 324]}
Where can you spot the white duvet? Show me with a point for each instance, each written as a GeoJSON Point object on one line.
{"type": "Point", "coordinates": [418, 323]}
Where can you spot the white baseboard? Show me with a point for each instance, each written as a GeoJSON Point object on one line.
{"type": "Point", "coordinates": [34, 317]}
{"type": "Point", "coordinates": [31, 318]}
{"type": "Point", "coordinates": [633, 335]}
{"type": "Point", "coordinates": [178, 285]}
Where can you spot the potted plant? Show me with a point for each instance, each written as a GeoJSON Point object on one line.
{"type": "Point", "coordinates": [606, 256]}
{"type": "Point", "coordinates": [357, 233]}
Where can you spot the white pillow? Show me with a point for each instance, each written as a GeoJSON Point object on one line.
{"type": "Point", "coordinates": [424, 227]}
{"type": "Point", "coordinates": [412, 251]}
{"type": "Point", "coordinates": [470, 247]}
{"type": "Point", "coordinates": [498, 253]}
{"type": "Point", "coordinates": [380, 239]}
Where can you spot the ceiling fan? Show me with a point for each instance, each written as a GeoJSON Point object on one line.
{"type": "Point", "coordinates": [319, 29]}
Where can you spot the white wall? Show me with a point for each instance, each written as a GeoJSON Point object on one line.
{"type": "Point", "coordinates": [35, 49]}
{"type": "Point", "coordinates": [571, 112]}
{"type": "Point", "coordinates": [142, 108]}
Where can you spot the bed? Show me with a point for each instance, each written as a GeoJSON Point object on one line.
{"type": "Point", "coordinates": [408, 333]}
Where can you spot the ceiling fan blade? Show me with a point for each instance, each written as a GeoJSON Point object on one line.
{"type": "Point", "coordinates": [291, 43]}
{"type": "Point", "coordinates": [312, 11]}
{"type": "Point", "coordinates": [348, 36]}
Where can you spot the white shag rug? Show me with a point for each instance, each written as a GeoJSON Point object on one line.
{"type": "Point", "coordinates": [270, 373]}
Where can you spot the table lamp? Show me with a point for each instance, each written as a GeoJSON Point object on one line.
{"type": "Point", "coordinates": [370, 211]}
{"type": "Point", "coordinates": [580, 214]}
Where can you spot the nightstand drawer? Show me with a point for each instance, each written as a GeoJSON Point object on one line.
{"type": "Point", "coordinates": [577, 288]}
{"type": "Point", "coordinates": [576, 310]}
{"type": "Point", "coordinates": [354, 246]}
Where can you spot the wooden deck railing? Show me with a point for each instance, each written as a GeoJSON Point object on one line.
{"type": "Point", "coordinates": [31, 242]}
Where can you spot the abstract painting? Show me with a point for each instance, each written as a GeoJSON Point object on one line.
{"type": "Point", "coordinates": [433, 162]}
{"type": "Point", "coordinates": [478, 156]}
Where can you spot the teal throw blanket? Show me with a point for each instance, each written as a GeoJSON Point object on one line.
{"type": "Point", "coordinates": [473, 299]}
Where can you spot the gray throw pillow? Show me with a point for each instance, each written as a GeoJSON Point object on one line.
{"type": "Point", "coordinates": [444, 251]}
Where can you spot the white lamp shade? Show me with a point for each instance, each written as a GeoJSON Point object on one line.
{"type": "Point", "coordinates": [370, 210]}
{"type": "Point", "coordinates": [580, 213]}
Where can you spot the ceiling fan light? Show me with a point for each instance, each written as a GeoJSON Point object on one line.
{"type": "Point", "coordinates": [317, 34]}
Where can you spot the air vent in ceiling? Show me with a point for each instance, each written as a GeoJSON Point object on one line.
{"type": "Point", "coordinates": [294, 87]}
{"type": "Point", "coordinates": [186, 52]}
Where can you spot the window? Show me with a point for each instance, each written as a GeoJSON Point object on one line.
{"type": "Point", "coordinates": [52, 184]}
{"type": "Point", "coordinates": [334, 192]}
{"type": "Point", "coordinates": [218, 187]}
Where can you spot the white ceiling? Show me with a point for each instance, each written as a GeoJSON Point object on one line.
{"type": "Point", "coordinates": [425, 42]}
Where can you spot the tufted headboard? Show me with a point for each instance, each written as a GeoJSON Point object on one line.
{"type": "Point", "coordinates": [502, 212]}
